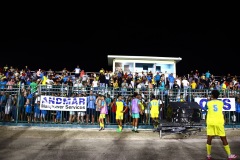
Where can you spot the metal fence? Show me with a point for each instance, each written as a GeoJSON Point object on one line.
{"type": "Point", "coordinates": [17, 109]}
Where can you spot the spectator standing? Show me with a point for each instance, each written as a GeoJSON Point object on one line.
{"type": "Point", "coordinates": [208, 74]}
{"type": "Point", "coordinates": [237, 110]}
{"type": "Point", "coordinates": [185, 84]}
{"type": "Point", "coordinates": [113, 110]}
{"type": "Point", "coordinates": [77, 71]}
{"type": "Point", "coordinates": [107, 78]}
{"type": "Point", "coordinates": [108, 101]}
{"type": "Point", "coordinates": [157, 79]}
{"type": "Point", "coordinates": [91, 110]}
{"type": "Point", "coordinates": [33, 86]}
{"type": "Point", "coordinates": [3, 101]}
{"type": "Point", "coordinates": [176, 90]}
{"type": "Point", "coordinates": [102, 80]}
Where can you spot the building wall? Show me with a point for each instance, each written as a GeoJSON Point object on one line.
{"type": "Point", "coordinates": [146, 66]}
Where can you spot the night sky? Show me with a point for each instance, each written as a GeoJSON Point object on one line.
{"type": "Point", "coordinates": [203, 44]}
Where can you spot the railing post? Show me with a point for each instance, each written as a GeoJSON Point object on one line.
{"type": "Point", "coordinates": [61, 119]}
{"type": "Point", "coordinates": [19, 92]}
{"type": "Point", "coordinates": [190, 94]}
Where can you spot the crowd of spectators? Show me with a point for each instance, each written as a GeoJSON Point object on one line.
{"type": "Point", "coordinates": [119, 79]}
{"type": "Point", "coordinates": [123, 82]}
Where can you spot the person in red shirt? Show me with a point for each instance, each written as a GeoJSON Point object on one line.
{"type": "Point", "coordinates": [113, 110]}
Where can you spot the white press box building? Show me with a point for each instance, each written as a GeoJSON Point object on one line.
{"type": "Point", "coordinates": [143, 63]}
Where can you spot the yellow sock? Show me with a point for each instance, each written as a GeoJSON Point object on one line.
{"type": "Point", "coordinates": [227, 149]}
{"type": "Point", "coordinates": [209, 149]}
{"type": "Point", "coordinates": [120, 128]}
{"type": "Point", "coordinates": [100, 124]}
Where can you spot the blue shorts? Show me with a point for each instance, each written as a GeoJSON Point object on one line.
{"type": "Point", "coordinates": [3, 108]}
{"type": "Point", "coordinates": [91, 111]}
{"type": "Point", "coordinates": [28, 109]}
{"type": "Point", "coordinates": [21, 110]}
{"type": "Point", "coordinates": [58, 117]}
{"type": "Point", "coordinates": [43, 112]}
{"type": "Point", "coordinates": [135, 115]}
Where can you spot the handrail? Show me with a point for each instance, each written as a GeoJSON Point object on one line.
{"type": "Point", "coordinates": [167, 95]}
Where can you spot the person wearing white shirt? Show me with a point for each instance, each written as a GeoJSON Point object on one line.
{"type": "Point", "coordinates": [95, 85]}
{"type": "Point", "coordinates": [185, 84]}
{"type": "Point", "coordinates": [77, 71]}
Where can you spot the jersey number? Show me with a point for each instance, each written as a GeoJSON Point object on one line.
{"type": "Point", "coordinates": [215, 108]}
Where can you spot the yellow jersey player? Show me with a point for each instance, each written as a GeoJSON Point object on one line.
{"type": "Point", "coordinates": [120, 109]}
{"type": "Point", "coordinates": [215, 125]}
{"type": "Point", "coordinates": [154, 112]}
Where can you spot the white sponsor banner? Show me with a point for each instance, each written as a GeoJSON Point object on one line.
{"type": "Point", "coordinates": [63, 103]}
{"type": "Point", "coordinates": [229, 103]}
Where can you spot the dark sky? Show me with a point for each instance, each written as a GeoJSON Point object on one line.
{"type": "Point", "coordinates": [204, 43]}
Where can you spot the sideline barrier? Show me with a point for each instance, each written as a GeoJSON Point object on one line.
{"type": "Point", "coordinates": [18, 115]}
